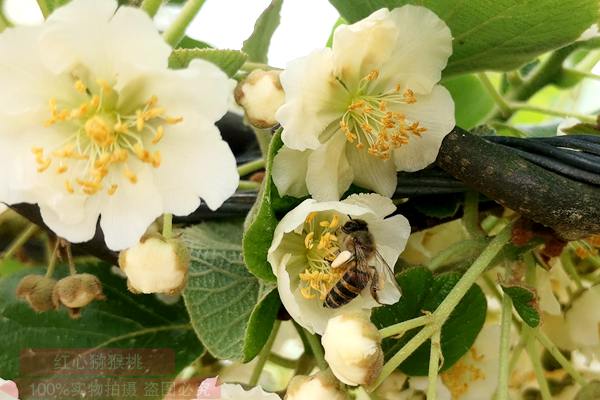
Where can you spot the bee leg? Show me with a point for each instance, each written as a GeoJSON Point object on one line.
{"type": "Point", "coordinates": [375, 285]}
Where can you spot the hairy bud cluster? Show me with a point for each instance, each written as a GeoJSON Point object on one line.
{"type": "Point", "coordinates": [37, 291]}
{"type": "Point", "coordinates": [77, 291]}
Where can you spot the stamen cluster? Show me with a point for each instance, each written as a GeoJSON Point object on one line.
{"type": "Point", "coordinates": [101, 139]}
{"type": "Point", "coordinates": [322, 245]}
{"type": "Point", "coordinates": [371, 122]}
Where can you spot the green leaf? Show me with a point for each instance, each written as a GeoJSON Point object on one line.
{"type": "Point", "coordinates": [124, 320]}
{"type": "Point", "coordinates": [190, 43]}
{"type": "Point", "coordinates": [472, 102]}
{"type": "Point", "coordinates": [261, 221]}
{"type": "Point", "coordinates": [9, 267]}
{"type": "Point", "coordinates": [231, 310]}
{"type": "Point", "coordinates": [257, 45]}
{"type": "Point", "coordinates": [495, 35]}
{"type": "Point", "coordinates": [229, 61]}
{"type": "Point", "coordinates": [591, 391]}
{"type": "Point", "coordinates": [423, 292]}
{"type": "Point", "coordinates": [54, 4]}
{"type": "Point", "coordinates": [525, 302]}
{"type": "Point", "coordinates": [340, 21]}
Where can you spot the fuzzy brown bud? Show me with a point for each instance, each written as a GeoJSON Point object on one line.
{"type": "Point", "coordinates": [77, 291]}
{"type": "Point", "coordinates": [37, 291]}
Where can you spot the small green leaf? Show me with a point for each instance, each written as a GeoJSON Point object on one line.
{"type": "Point", "coordinates": [190, 43]}
{"type": "Point", "coordinates": [257, 45]}
{"type": "Point", "coordinates": [231, 310]}
{"type": "Point", "coordinates": [54, 4]}
{"type": "Point", "coordinates": [9, 267]}
{"type": "Point", "coordinates": [591, 391]}
{"type": "Point", "coordinates": [472, 102]}
{"type": "Point", "coordinates": [495, 35]}
{"type": "Point", "coordinates": [261, 221]}
{"type": "Point", "coordinates": [525, 302]}
{"type": "Point", "coordinates": [583, 129]}
{"type": "Point", "coordinates": [229, 61]}
{"type": "Point", "coordinates": [124, 320]}
{"type": "Point", "coordinates": [340, 21]}
{"type": "Point", "coordinates": [423, 292]}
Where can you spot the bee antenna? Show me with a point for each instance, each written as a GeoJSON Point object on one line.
{"type": "Point", "coordinates": [349, 216]}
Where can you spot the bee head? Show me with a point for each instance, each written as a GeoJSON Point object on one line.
{"type": "Point", "coordinates": [354, 225]}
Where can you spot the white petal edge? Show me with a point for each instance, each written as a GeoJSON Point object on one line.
{"type": "Point", "coordinates": [371, 172]}
{"type": "Point", "coordinates": [329, 174]}
{"type": "Point", "coordinates": [434, 112]}
{"type": "Point", "coordinates": [422, 49]}
{"type": "Point", "coordinates": [313, 100]}
{"type": "Point", "coordinates": [127, 214]}
{"type": "Point", "coordinates": [289, 171]}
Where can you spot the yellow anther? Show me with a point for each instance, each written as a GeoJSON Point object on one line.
{"type": "Point", "coordinates": [99, 131]}
{"type": "Point", "coordinates": [69, 187]}
{"type": "Point", "coordinates": [409, 96]}
{"type": "Point", "coordinates": [308, 240]}
{"type": "Point", "coordinates": [113, 189]}
{"type": "Point", "coordinates": [129, 174]}
{"type": "Point", "coordinates": [43, 164]}
{"type": "Point", "coordinates": [310, 217]}
{"type": "Point", "coordinates": [95, 101]}
{"type": "Point", "coordinates": [153, 113]}
{"type": "Point", "coordinates": [173, 120]}
{"type": "Point", "coordinates": [105, 87]}
{"type": "Point", "coordinates": [335, 221]}
{"type": "Point", "coordinates": [120, 127]}
{"type": "Point", "coordinates": [324, 224]}
{"type": "Point", "coordinates": [156, 159]}
{"type": "Point", "coordinates": [398, 88]}
{"type": "Point", "coordinates": [62, 169]}
{"type": "Point", "coordinates": [80, 86]}
{"type": "Point", "coordinates": [152, 101]}
{"type": "Point", "coordinates": [37, 150]}
{"type": "Point", "coordinates": [160, 131]}
{"type": "Point", "coordinates": [372, 75]}
{"type": "Point", "coordinates": [139, 120]}
{"type": "Point", "coordinates": [141, 153]}
{"type": "Point", "coordinates": [120, 155]}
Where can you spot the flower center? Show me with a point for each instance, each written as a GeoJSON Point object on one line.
{"type": "Point", "coordinates": [322, 247]}
{"type": "Point", "coordinates": [370, 122]}
{"type": "Point", "coordinates": [101, 140]}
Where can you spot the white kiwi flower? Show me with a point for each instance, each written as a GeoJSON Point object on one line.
{"type": "Point", "coordinates": [367, 107]}
{"type": "Point", "coordinates": [307, 247]}
{"type": "Point", "coordinates": [94, 125]}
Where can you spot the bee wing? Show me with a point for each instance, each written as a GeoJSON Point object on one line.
{"type": "Point", "coordinates": [388, 271]}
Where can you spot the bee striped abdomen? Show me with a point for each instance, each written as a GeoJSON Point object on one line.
{"type": "Point", "coordinates": [347, 288]}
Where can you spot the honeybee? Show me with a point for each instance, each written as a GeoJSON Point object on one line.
{"type": "Point", "coordinates": [361, 244]}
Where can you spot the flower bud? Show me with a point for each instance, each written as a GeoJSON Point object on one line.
{"type": "Point", "coordinates": [77, 291]}
{"type": "Point", "coordinates": [319, 386]}
{"type": "Point", "coordinates": [261, 95]}
{"type": "Point", "coordinates": [211, 389]}
{"type": "Point", "coordinates": [353, 348]}
{"type": "Point", "coordinates": [37, 291]}
{"type": "Point", "coordinates": [155, 265]}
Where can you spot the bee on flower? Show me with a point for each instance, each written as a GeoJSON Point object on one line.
{"type": "Point", "coordinates": [95, 126]}
{"type": "Point", "coordinates": [366, 108]}
{"type": "Point", "coordinates": [310, 258]}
